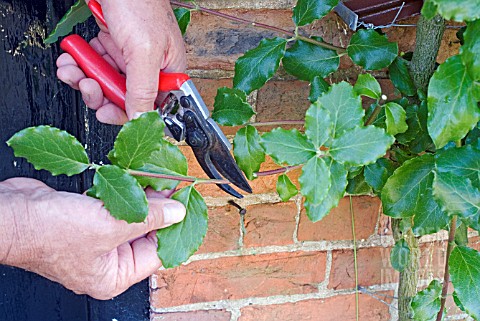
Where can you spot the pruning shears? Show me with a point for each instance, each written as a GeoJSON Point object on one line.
{"type": "Point", "coordinates": [185, 114]}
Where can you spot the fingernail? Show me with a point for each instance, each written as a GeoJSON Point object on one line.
{"type": "Point", "coordinates": [173, 213]}
{"type": "Point", "coordinates": [138, 114]}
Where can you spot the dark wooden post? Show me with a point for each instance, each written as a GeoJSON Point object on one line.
{"type": "Point", "coordinates": [31, 95]}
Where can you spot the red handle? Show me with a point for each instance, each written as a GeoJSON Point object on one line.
{"type": "Point", "coordinates": [113, 84]}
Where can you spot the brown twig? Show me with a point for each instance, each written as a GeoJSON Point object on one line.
{"type": "Point", "coordinates": [446, 276]}
{"type": "Point", "coordinates": [277, 171]}
{"type": "Point", "coordinates": [339, 50]}
{"type": "Point", "coordinates": [178, 178]}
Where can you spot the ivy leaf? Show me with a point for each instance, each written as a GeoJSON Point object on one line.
{"type": "Point", "coordinates": [231, 107]}
{"type": "Point", "coordinates": [305, 61]}
{"type": "Point", "coordinates": [377, 174]}
{"type": "Point", "coordinates": [137, 139]}
{"type": "Point", "coordinates": [464, 267]}
{"type": "Point", "coordinates": [429, 9]}
{"type": "Point", "coordinates": [168, 160]}
{"type": "Point", "coordinates": [400, 255]}
{"type": "Point", "coordinates": [408, 192]}
{"type": "Point", "coordinates": [338, 178]}
{"type": "Point", "coordinates": [285, 188]}
{"type": "Point", "coordinates": [247, 150]}
{"type": "Point", "coordinates": [288, 146]}
{"type": "Point", "coordinates": [458, 10]}
{"type": "Point", "coordinates": [395, 118]}
{"type": "Point", "coordinates": [401, 78]}
{"type": "Point", "coordinates": [315, 180]}
{"type": "Point", "coordinates": [367, 85]}
{"type": "Point", "coordinates": [426, 304]}
{"type": "Point", "coordinates": [50, 148]}
{"type": "Point", "coordinates": [470, 51]}
{"type": "Point", "coordinates": [318, 125]}
{"type": "Point", "coordinates": [121, 194]}
{"type": "Point", "coordinates": [452, 108]}
{"type": "Point", "coordinates": [344, 106]}
{"type": "Point", "coordinates": [463, 162]}
{"type": "Point", "coordinates": [258, 65]}
{"type": "Point", "coordinates": [318, 86]}
{"type": "Point", "coordinates": [178, 242]}
{"type": "Point", "coordinates": [456, 194]}
{"type": "Point", "coordinates": [357, 185]}
{"type": "Point", "coordinates": [371, 50]}
{"type": "Point", "coordinates": [306, 11]}
{"type": "Point", "coordinates": [77, 13]}
{"type": "Point", "coordinates": [416, 136]}
{"type": "Point", "coordinates": [361, 145]}
{"type": "Point", "coordinates": [183, 18]}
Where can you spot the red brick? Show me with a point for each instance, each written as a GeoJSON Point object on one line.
{"type": "Point", "coordinates": [215, 43]}
{"type": "Point", "coordinates": [210, 315]}
{"type": "Point", "coordinates": [373, 268]}
{"type": "Point", "coordinates": [341, 307]}
{"type": "Point", "coordinates": [338, 224]}
{"type": "Point", "coordinates": [223, 230]}
{"type": "Point", "coordinates": [270, 224]}
{"type": "Point", "coordinates": [239, 277]}
{"type": "Point", "coordinates": [432, 260]}
{"type": "Point", "coordinates": [283, 100]}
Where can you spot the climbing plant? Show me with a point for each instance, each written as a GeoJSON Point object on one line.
{"type": "Point", "coordinates": [419, 153]}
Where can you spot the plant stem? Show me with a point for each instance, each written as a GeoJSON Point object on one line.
{"type": "Point", "coordinates": [258, 25]}
{"type": "Point", "coordinates": [374, 115]}
{"type": "Point", "coordinates": [277, 123]}
{"type": "Point", "coordinates": [277, 171]}
{"type": "Point", "coordinates": [446, 275]}
{"type": "Point", "coordinates": [178, 178]}
{"type": "Point", "coordinates": [355, 265]}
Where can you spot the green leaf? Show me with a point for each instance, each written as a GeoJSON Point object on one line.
{"type": "Point", "coordinates": [462, 162]}
{"type": "Point", "coordinates": [377, 174]}
{"type": "Point", "coordinates": [456, 194]}
{"type": "Point", "coordinates": [247, 150]}
{"type": "Point", "coordinates": [344, 106]}
{"type": "Point", "coordinates": [231, 107]}
{"type": "Point", "coordinates": [338, 178]}
{"type": "Point", "coordinates": [464, 267]}
{"type": "Point", "coordinates": [458, 10]}
{"type": "Point", "coordinates": [473, 137]}
{"type": "Point", "coordinates": [318, 86]}
{"type": "Point", "coordinates": [168, 160]}
{"type": "Point", "coordinates": [288, 146]}
{"type": "Point", "coordinates": [470, 51]}
{"type": "Point", "coordinates": [50, 148]}
{"type": "Point", "coordinates": [401, 78]}
{"type": "Point", "coordinates": [408, 192]}
{"type": "Point", "coordinates": [452, 108]}
{"type": "Point", "coordinates": [457, 301]}
{"type": "Point", "coordinates": [429, 9]}
{"type": "Point", "coordinates": [258, 65]}
{"type": "Point", "coordinates": [395, 118]}
{"type": "Point", "coordinates": [178, 242]}
{"type": "Point", "coordinates": [77, 13]}
{"type": "Point", "coordinates": [315, 180]}
{"type": "Point", "coordinates": [416, 137]}
{"type": "Point", "coordinates": [367, 85]}
{"type": "Point", "coordinates": [306, 11]}
{"type": "Point", "coordinates": [318, 125]}
{"type": "Point", "coordinates": [461, 234]}
{"type": "Point", "coordinates": [426, 304]}
{"type": "Point", "coordinates": [137, 139]}
{"type": "Point", "coordinates": [285, 188]}
{"type": "Point", "coordinates": [400, 255]}
{"type": "Point", "coordinates": [361, 145]}
{"type": "Point", "coordinates": [306, 61]}
{"type": "Point", "coordinates": [183, 18]}
{"type": "Point", "coordinates": [121, 194]}
{"type": "Point", "coordinates": [358, 186]}
{"type": "Point", "coordinates": [371, 50]}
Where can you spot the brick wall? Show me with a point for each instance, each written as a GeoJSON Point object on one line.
{"type": "Point", "coordinates": [273, 263]}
